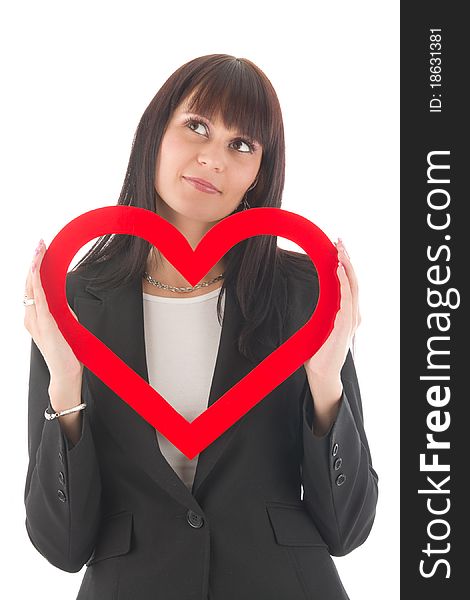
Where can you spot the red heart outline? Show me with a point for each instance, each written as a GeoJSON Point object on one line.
{"type": "Point", "coordinates": [192, 437]}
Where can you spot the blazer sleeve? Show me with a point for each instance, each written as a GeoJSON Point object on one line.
{"type": "Point", "coordinates": [63, 487]}
{"type": "Point", "coordinates": [339, 482]}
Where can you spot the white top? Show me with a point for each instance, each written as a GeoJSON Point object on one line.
{"type": "Point", "coordinates": [182, 338]}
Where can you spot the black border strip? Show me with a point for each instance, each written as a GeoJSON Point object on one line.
{"type": "Point", "coordinates": [434, 271]}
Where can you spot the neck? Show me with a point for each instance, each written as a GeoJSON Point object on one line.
{"type": "Point", "coordinates": [162, 270]}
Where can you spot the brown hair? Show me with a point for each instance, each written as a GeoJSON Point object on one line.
{"type": "Point", "coordinates": [238, 91]}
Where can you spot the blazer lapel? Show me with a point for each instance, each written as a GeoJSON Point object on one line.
{"type": "Point", "coordinates": [230, 367]}
{"type": "Point", "coordinates": [116, 317]}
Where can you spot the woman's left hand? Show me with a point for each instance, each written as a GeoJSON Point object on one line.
{"type": "Point", "coordinates": [327, 362]}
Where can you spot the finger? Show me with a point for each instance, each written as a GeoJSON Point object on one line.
{"type": "Point", "coordinates": [353, 282]}
{"type": "Point", "coordinates": [30, 309]}
{"type": "Point", "coordinates": [28, 287]}
{"type": "Point", "coordinates": [40, 300]}
{"type": "Point", "coordinates": [345, 314]}
{"type": "Point", "coordinates": [354, 288]}
{"type": "Point", "coordinates": [346, 293]}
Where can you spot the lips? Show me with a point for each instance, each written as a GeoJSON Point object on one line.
{"type": "Point", "coordinates": [202, 184]}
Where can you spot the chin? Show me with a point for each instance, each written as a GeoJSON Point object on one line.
{"type": "Point", "coordinates": [202, 215]}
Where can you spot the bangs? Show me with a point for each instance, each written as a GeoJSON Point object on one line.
{"type": "Point", "coordinates": [235, 93]}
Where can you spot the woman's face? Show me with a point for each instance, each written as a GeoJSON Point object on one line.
{"type": "Point", "coordinates": [194, 147]}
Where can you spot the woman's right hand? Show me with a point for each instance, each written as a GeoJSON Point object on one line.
{"type": "Point", "coordinates": [63, 365]}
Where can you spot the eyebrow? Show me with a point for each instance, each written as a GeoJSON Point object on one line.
{"type": "Point", "coordinates": [192, 112]}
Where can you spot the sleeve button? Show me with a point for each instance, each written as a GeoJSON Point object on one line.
{"type": "Point", "coordinates": [334, 451]}
{"type": "Point", "coordinates": [61, 458]}
{"type": "Point", "coordinates": [61, 496]}
{"type": "Point", "coordinates": [338, 463]}
{"type": "Point", "coordinates": [61, 477]}
{"type": "Point", "coordinates": [340, 479]}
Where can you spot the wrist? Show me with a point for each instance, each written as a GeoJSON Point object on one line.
{"type": "Point", "coordinates": [325, 388]}
{"type": "Point", "coordinates": [323, 375]}
{"type": "Point", "coordinates": [61, 382]}
{"type": "Point", "coordinates": [326, 394]}
{"type": "Point", "coordinates": [65, 393]}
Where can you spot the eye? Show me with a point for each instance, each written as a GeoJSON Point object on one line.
{"type": "Point", "coordinates": [190, 122]}
{"type": "Point", "coordinates": [248, 143]}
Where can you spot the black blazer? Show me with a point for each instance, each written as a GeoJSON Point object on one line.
{"type": "Point", "coordinates": [114, 503]}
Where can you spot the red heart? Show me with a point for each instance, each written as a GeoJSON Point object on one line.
{"type": "Point", "coordinates": [192, 438]}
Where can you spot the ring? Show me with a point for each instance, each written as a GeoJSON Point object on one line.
{"type": "Point", "coordinates": [28, 301]}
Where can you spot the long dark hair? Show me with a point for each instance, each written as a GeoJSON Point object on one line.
{"type": "Point", "coordinates": [238, 91]}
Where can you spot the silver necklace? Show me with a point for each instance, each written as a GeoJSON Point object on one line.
{"type": "Point", "coordinates": [165, 286]}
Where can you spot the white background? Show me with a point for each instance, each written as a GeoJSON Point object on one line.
{"type": "Point", "coordinates": [77, 78]}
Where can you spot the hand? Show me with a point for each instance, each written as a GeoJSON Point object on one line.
{"type": "Point", "coordinates": [327, 362]}
{"type": "Point", "coordinates": [61, 361]}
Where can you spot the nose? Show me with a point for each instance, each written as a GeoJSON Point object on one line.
{"type": "Point", "coordinates": [211, 157]}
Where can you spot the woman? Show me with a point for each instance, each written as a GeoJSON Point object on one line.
{"type": "Point", "coordinates": [104, 487]}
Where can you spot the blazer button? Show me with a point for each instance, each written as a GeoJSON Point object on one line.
{"type": "Point", "coordinates": [334, 451]}
{"type": "Point", "coordinates": [62, 496]}
{"type": "Point", "coordinates": [340, 479]}
{"type": "Point", "coordinates": [338, 463]}
{"type": "Point", "coordinates": [194, 519]}
{"type": "Point", "coordinates": [61, 477]}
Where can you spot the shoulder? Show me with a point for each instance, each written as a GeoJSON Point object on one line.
{"type": "Point", "coordinates": [302, 286]}
{"type": "Point", "coordinates": [299, 271]}
{"type": "Point", "coordinates": [77, 281]}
